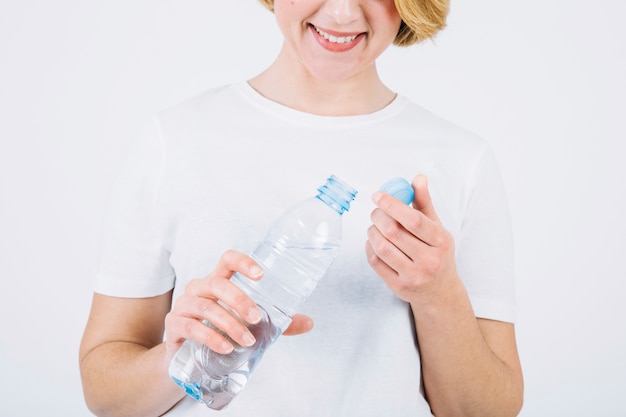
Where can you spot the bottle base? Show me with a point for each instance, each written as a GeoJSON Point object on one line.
{"type": "Point", "coordinates": [215, 393]}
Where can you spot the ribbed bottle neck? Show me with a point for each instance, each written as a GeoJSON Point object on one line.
{"type": "Point", "coordinates": [336, 194]}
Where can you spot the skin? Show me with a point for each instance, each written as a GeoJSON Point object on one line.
{"type": "Point", "coordinates": [309, 77]}
{"type": "Point", "coordinates": [123, 340]}
{"type": "Point", "coordinates": [470, 366]}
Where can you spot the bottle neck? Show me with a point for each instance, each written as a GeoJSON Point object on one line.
{"type": "Point", "coordinates": [336, 194]}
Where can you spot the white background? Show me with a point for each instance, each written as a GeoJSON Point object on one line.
{"type": "Point", "coordinates": [542, 81]}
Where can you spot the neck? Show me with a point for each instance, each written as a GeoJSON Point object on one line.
{"type": "Point", "coordinates": [293, 86]}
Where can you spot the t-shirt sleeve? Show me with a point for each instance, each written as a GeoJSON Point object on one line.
{"type": "Point", "coordinates": [133, 261]}
{"type": "Point", "coordinates": [485, 247]}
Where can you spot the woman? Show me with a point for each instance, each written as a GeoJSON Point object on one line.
{"type": "Point", "coordinates": [418, 323]}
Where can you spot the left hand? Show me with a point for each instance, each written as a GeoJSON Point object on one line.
{"type": "Point", "coordinates": [409, 247]}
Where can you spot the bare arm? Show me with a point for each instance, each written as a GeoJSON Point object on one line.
{"type": "Point", "coordinates": [123, 361]}
{"type": "Point", "coordinates": [470, 366]}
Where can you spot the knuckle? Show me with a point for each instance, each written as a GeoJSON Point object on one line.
{"type": "Point", "coordinates": [241, 300]}
{"type": "Point", "coordinates": [382, 248]}
{"type": "Point", "coordinates": [433, 265]}
{"type": "Point", "coordinates": [188, 328]}
{"type": "Point", "coordinates": [226, 259]}
{"type": "Point", "coordinates": [392, 230]}
{"type": "Point", "coordinates": [194, 286]}
{"type": "Point", "coordinates": [230, 257]}
{"type": "Point", "coordinates": [210, 337]}
{"type": "Point", "coordinates": [403, 286]}
{"type": "Point", "coordinates": [206, 335]}
{"type": "Point", "coordinates": [374, 260]}
{"type": "Point", "coordinates": [206, 308]}
{"type": "Point", "coordinates": [375, 214]}
{"type": "Point", "coordinates": [385, 202]}
{"type": "Point", "coordinates": [169, 319]}
{"type": "Point", "coordinates": [444, 239]}
{"type": "Point", "coordinates": [416, 222]}
{"type": "Point", "coordinates": [438, 241]}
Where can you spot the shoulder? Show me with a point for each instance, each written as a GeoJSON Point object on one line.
{"type": "Point", "coordinates": [440, 127]}
{"type": "Point", "coordinates": [420, 130]}
{"type": "Point", "coordinates": [212, 113]}
{"type": "Point", "coordinates": [204, 104]}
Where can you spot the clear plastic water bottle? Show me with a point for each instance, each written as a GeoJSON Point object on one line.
{"type": "Point", "coordinates": [296, 252]}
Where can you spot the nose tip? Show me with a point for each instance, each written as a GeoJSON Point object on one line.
{"type": "Point", "coordinates": [342, 11]}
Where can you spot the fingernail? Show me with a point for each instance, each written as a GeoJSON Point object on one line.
{"type": "Point", "coordinates": [255, 271]}
{"type": "Point", "coordinates": [226, 347]}
{"type": "Point", "coordinates": [376, 196]}
{"type": "Point", "coordinates": [248, 339]}
{"type": "Point", "coordinates": [254, 315]}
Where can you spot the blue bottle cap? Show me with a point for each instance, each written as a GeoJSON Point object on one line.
{"type": "Point", "coordinates": [400, 189]}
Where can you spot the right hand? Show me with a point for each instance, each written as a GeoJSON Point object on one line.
{"type": "Point", "coordinates": [200, 302]}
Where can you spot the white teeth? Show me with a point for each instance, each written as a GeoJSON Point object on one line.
{"type": "Point", "coordinates": [335, 39]}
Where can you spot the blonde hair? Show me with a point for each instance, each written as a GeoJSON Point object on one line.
{"type": "Point", "coordinates": [421, 19]}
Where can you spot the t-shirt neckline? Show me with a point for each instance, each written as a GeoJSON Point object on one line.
{"type": "Point", "coordinates": [303, 118]}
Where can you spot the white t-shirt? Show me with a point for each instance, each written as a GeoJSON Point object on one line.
{"type": "Point", "coordinates": [212, 173]}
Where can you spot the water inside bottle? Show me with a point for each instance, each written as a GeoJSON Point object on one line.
{"type": "Point", "coordinates": [296, 269]}
{"type": "Point", "coordinates": [291, 274]}
{"type": "Point", "coordinates": [214, 378]}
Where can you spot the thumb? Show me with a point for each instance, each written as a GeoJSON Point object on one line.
{"type": "Point", "coordinates": [422, 200]}
{"type": "Point", "coordinates": [300, 324]}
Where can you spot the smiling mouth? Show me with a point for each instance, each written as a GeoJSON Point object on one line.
{"type": "Point", "coordinates": [332, 38]}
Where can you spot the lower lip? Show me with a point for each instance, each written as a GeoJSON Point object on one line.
{"type": "Point", "coordinates": [333, 46]}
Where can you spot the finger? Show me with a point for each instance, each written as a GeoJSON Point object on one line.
{"type": "Point", "coordinates": [218, 286]}
{"type": "Point", "coordinates": [180, 328]}
{"type": "Point", "coordinates": [383, 257]}
{"type": "Point", "coordinates": [236, 262]}
{"type": "Point", "coordinates": [232, 262]}
{"type": "Point", "coordinates": [230, 295]}
{"type": "Point", "coordinates": [423, 201]}
{"type": "Point", "coordinates": [300, 324]}
{"type": "Point", "coordinates": [414, 221]}
{"type": "Point", "coordinates": [226, 321]}
{"type": "Point", "coordinates": [208, 336]}
{"type": "Point", "coordinates": [409, 239]}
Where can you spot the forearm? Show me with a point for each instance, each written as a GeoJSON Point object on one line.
{"type": "Point", "coordinates": [462, 374]}
{"type": "Point", "coordinates": [127, 379]}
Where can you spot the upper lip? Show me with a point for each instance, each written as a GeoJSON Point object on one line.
{"type": "Point", "coordinates": [335, 33]}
